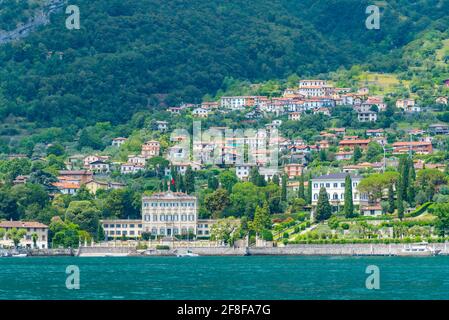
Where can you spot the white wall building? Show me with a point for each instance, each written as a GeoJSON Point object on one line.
{"type": "Point", "coordinates": [169, 214]}
{"type": "Point", "coordinates": [31, 227]}
{"type": "Point", "coordinates": [335, 187]}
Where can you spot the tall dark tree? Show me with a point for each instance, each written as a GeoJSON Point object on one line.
{"type": "Point", "coordinates": [301, 191]}
{"type": "Point", "coordinates": [357, 154]}
{"type": "Point", "coordinates": [284, 188]}
{"type": "Point", "coordinates": [323, 207]}
{"type": "Point", "coordinates": [411, 192]}
{"type": "Point", "coordinates": [181, 185]}
{"type": "Point", "coordinates": [400, 206]}
{"type": "Point", "coordinates": [349, 204]}
{"type": "Point", "coordinates": [189, 181]}
{"type": "Point", "coordinates": [391, 203]}
{"type": "Point", "coordinates": [276, 179]}
{"type": "Point", "coordinates": [309, 190]}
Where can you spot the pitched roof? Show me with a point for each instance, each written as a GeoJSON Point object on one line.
{"type": "Point", "coordinates": [21, 224]}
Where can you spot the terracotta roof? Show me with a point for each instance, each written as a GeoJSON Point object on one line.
{"type": "Point", "coordinates": [411, 143]}
{"type": "Point", "coordinates": [66, 185]}
{"type": "Point", "coordinates": [21, 224]}
{"type": "Point", "coordinates": [365, 141]}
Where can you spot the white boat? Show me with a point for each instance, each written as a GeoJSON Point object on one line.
{"type": "Point", "coordinates": [187, 254]}
{"type": "Point", "coordinates": [418, 249]}
{"type": "Point", "coordinates": [19, 255]}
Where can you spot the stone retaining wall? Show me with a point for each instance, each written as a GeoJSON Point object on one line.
{"type": "Point", "coordinates": [339, 249]}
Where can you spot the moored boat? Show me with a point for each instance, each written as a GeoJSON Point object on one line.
{"type": "Point", "coordinates": [188, 253]}
{"type": "Point", "coordinates": [419, 250]}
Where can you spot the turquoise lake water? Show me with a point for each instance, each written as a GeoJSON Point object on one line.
{"type": "Point", "coordinates": [275, 277]}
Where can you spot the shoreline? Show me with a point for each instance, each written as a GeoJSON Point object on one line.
{"type": "Point", "coordinates": [290, 250]}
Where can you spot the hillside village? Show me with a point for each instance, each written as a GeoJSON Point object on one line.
{"type": "Point", "coordinates": [278, 169]}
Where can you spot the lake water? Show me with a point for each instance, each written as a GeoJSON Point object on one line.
{"type": "Point", "coordinates": [273, 277]}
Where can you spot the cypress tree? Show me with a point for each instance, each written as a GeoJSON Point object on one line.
{"type": "Point", "coordinates": [309, 191]}
{"type": "Point", "coordinates": [349, 204]}
{"type": "Point", "coordinates": [400, 206]}
{"type": "Point", "coordinates": [403, 177]}
{"type": "Point", "coordinates": [181, 185]}
{"type": "Point", "coordinates": [189, 181]}
{"type": "Point", "coordinates": [276, 179]}
{"type": "Point", "coordinates": [284, 188]}
{"type": "Point", "coordinates": [411, 183]}
{"type": "Point", "coordinates": [323, 207]}
{"type": "Point", "coordinates": [164, 185]}
{"type": "Point", "coordinates": [357, 154]}
{"type": "Point", "coordinates": [301, 191]}
{"type": "Point", "coordinates": [391, 204]}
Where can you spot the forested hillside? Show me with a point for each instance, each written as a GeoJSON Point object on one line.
{"type": "Point", "coordinates": [133, 55]}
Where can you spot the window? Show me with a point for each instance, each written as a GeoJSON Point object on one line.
{"type": "Point", "coordinates": [335, 185]}
{"type": "Point", "coordinates": [328, 185]}
{"type": "Point", "coordinates": [154, 217]}
{"type": "Point", "coordinates": [315, 196]}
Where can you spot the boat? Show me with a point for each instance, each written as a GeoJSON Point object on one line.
{"type": "Point", "coordinates": [419, 250]}
{"type": "Point", "coordinates": [19, 255]}
{"type": "Point", "coordinates": [187, 254]}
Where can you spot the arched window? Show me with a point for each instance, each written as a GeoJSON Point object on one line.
{"type": "Point", "coordinates": [162, 231]}
{"type": "Point", "coordinates": [335, 196]}
{"type": "Point", "coordinates": [315, 196]}
{"type": "Point", "coordinates": [154, 231]}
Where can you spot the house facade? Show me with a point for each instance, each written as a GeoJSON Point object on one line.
{"type": "Point", "coordinates": [335, 187]}
{"type": "Point", "coordinates": [31, 227]}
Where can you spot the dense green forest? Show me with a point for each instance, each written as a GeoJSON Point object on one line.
{"type": "Point", "coordinates": [137, 55]}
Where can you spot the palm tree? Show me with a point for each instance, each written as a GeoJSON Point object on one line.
{"type": "Point", "coordinates": [16, 235]}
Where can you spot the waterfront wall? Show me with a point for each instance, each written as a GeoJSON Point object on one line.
{"type": "Point", "coordinates": [105, 251]}
{"type": "Point", "coordinates": [216, 251]}
{"type": "Point", "coordinates": [364, 249]}
{"type": "Point", "coordinates": [299, 249]}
